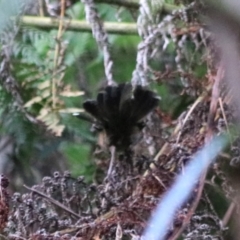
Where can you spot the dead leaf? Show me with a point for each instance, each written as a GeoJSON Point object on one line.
{"type": "Point", "coordinates": [32, 101]}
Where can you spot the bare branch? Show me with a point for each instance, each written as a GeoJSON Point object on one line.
{"type": "Point", "coordinates": [76, 25]}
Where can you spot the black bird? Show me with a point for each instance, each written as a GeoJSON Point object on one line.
{"type": "Point", "coordinates": [119, 110]}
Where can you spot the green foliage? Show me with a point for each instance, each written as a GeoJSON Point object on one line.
{"type": "Point", "coordinates": [53, 68]}
{"type": "Point", "coordinates": [50, 74]}
{"type": "Point", "coordinates": [77, 153]}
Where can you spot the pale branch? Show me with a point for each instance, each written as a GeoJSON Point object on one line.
{"type": "Point", "coordinates": [77, 25]}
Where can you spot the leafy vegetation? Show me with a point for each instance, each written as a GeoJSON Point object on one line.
{"type": "Point", "coordinates": [52, 60]}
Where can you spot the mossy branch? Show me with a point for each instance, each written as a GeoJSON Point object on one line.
{"type": "Point", "coordinates": [77, 25]}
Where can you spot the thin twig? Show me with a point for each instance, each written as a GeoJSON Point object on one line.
{"type": "Point", "coordinates": [53, 201]}
{"type": "Point", "coordinates": [56, 55]}
{"type": "Point", "coordinates": [177, 232]}
{"type": "Point", "coordinates": [228, 214]}
{"type": "Point", "coordinates": [214, 102]}
{"type": "Point", "coordinates": [199, 100]}
{"type": "Point", "coordinates": [224, 117]}
{"type": "Point", "coordinates": [41, 8]}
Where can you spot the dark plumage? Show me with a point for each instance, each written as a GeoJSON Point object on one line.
{"type": "Point", "coordinates": [119, 110]}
